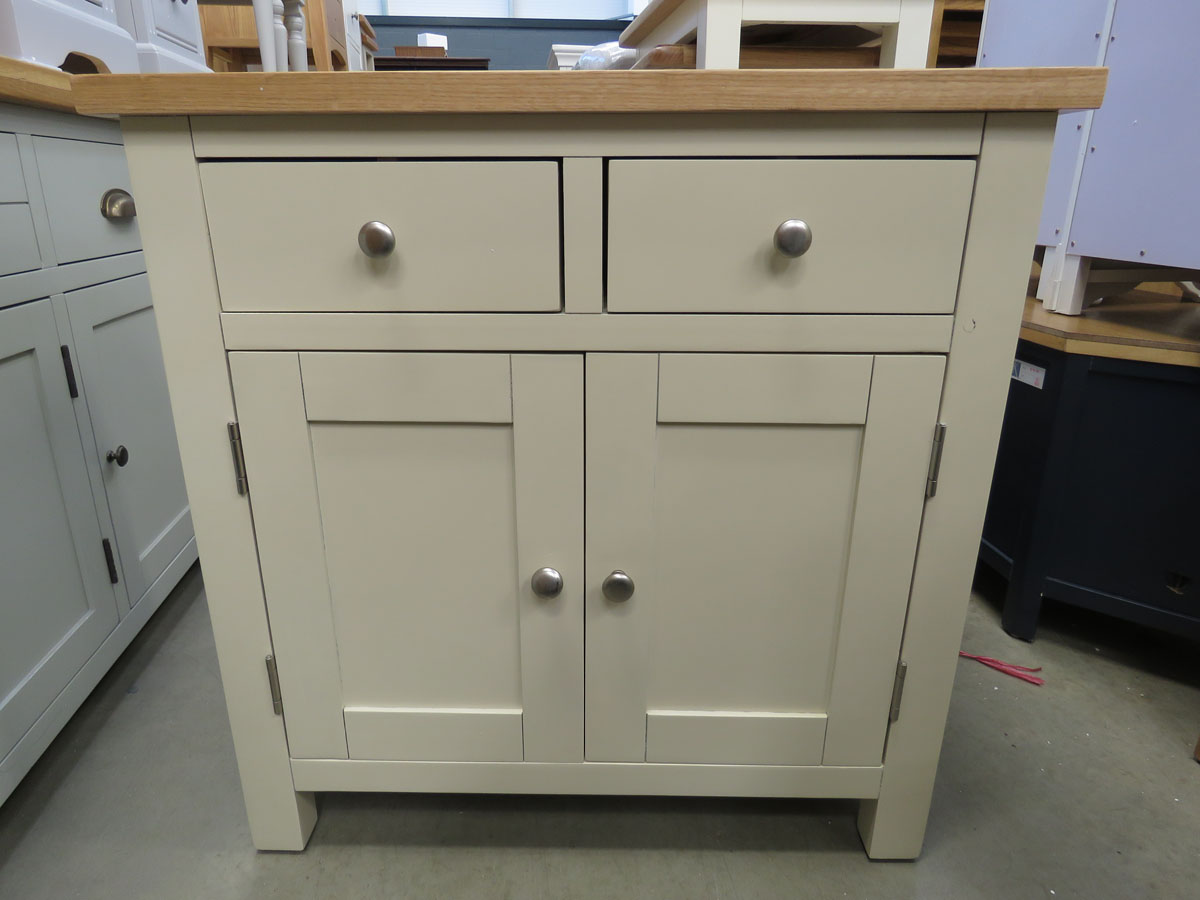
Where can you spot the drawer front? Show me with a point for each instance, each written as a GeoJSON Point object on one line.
{"type": "Point", "coordinates": [12, 182]}
{"type": "Point", "coordinates": [75, 176]}
{"type": "Point", "coordinates": [699, 235]}
{"type": "Point", "coordinates": [18, 243]}
{"type": "Point", "coordinates": [177, 21]}
{"type": "Point", "coordinates": [468, 236]}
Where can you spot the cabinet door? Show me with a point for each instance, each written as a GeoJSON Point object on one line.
{"type": "Point", "coordinates": [56, 601]}
{"type": "Point", "coordinates": [402, 502]}
{"type": "Point", "coordinates": [122, 378]}
{"type": "Point", "coordinates": [766, 508]}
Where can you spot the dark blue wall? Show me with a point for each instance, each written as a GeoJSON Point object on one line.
{"type": "Point", "coordinates": [509, 43]}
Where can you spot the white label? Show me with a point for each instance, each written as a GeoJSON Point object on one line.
{"type": "Point", "coordinates": [1028, 373]}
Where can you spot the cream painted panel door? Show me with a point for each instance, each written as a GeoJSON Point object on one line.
{"type": "Point", "coordinates": [402, 502]}
{"type": "Point", "coordinates": [765, 509]}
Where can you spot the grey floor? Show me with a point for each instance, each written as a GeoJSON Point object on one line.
{"type": "Point", "coordinates": [1082, 788]}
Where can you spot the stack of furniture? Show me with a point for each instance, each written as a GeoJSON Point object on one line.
{"type": "Point", "coordinates": [578, 465]}
{"type": "Point", "coordinates": [784, 35]}
{"type": "Point", "coordinates": [277, 36]}
{"type": "Point", "coordinates": [904, 26]}
{"type": "Point", "coordinates": [103, 35]}
{"type": "Point", "coordinates": [96, 522]}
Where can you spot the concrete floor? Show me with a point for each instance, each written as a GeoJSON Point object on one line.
{"type": "Point", "coordinates": [1082, 788]}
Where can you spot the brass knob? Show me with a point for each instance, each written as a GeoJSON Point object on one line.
{"type": "Point", "coordinates": [376, 239]}
{"type": "Point", "coordinates": [546, 583]}
{"type": "Point", "coordinates": [117, 204]}
{"type": "Point", "coordinates": [793, 238]}
{"type": "Point", "coordinates": [120, 456]}
{"type": "Point", "coordinates": [617, 587]}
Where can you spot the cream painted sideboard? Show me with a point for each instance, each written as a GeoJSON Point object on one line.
{"type": "Point", "coordinates": [586, 429]}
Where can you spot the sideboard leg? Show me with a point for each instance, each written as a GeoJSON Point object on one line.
{"type": "Point", "coordinates": [1008, 187]}
{"type": "Point", "coordinates": [166, 183]}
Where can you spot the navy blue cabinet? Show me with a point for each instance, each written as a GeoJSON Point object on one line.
{"type": "Point", "coordinates": [1096, 494]}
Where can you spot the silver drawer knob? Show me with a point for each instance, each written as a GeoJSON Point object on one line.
{"type": "Point", "coordinates": [117, 204]}
{"type": "Point", "coordinates": [376, 239]}
{"type": "Point", "coordinates": [546, 583]}
{"type": "Point", "coordinates": [617, 587]}
{"type": "Point", "coordinates": [793, 238]}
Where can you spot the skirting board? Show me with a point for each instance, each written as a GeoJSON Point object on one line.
{"type": "Point", "coordinates": [29, 749]}
{"type": "Point", "coordinates": [651, 779]}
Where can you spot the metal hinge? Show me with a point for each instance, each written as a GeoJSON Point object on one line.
{"type": "Point", "coordinates": [273, 679]}
{"type": "Point", "coordinates": [110, 560]}
{"type": "Point", "coordinates": [898, 690]}
{"type": "Point", "coordinates": [239, 458]}
{"type": "Point", "coordinates": [935, 459]}
{"type": "Point", "coordinates": [72, 386]}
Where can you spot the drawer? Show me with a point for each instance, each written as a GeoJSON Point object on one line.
{"type": "Point", "coordinates": [12, 181]}
{"type": "Point", "coordinates": [18, 243]}
{"type": "Point", "coordinates": [699, 235]}
{"type": "Point", "coordinates": [468, 236]}
{"type": "Point", "coordinates": [75, 176]}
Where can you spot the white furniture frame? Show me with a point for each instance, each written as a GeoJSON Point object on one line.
{"type": "Point", "coordinates": [716, 26]}
{"type": "Point", "coordinates": [444, 421]}
{"type": "Point", "coordinates": [47, 31]}
{"type": "Point", "coordinates": [167, 32]}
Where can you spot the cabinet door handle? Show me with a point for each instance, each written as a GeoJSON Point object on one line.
{"type": "Point", "coordinates": [793, 238]}
{"type": "Point", "coordinates": [376, 239]}
{"type": "Point", "coordinates": [120, 456]}
{"type": "Point", "coordinates": [117, 204]}
{"type": "Point", "coordinates": [547, 583]}
{"type": "Point", "coordinates": [617, 587]}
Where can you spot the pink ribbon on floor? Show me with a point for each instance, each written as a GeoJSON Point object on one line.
{"type": "Point", "coordinates": [1007, 668]}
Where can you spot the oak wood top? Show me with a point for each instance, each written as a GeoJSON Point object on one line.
{"type": "Point", "coordinates": [664, 91]}
{"type": "Point", "coordinates": [1137, 325]}
{"type": "Point", "coordinates": [32, 85]}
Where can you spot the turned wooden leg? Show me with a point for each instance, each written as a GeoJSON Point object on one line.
{"type": "Point", "coordinates": [297, 48]}
{"type": "Point", "coordinates": [264, 25]}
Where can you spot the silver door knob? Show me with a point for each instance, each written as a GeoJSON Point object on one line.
{"type": "Point", "coordinates": [376, 239]}
{"type": "Point", "coordinates": [117, 204]}
{"type": "Point", "coordinates": [546, 583]}
{"type": "Point", "coordinates": [793, 238]}
{"type": "Point", "coordinates": [617, 587]}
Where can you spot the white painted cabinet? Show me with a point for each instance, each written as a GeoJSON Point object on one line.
{"type": "Point", "coordinates": [59, 602]}
{"type": "Point", "coordinates": [168, 34]}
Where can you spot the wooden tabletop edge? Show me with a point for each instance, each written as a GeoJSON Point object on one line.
{"type": "Point", "coordinates": [30, 84]}
{"type": "Point", "coordinates": [766, 90]}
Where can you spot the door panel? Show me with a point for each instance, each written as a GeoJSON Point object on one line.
{"type": "Point", "coordinates": [58, 604]}
{"type": "Point", "coordinates": [121, 370]}
{"type": "Point", "coordinates": [731, 489]}
{"type": "Point", "coordinates": [407, 499]}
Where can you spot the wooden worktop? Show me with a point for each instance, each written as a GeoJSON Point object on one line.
{"type": "Point", "coordinates": [774, 90]}
{"type": "Point", "coordinates": [33, 85]}
{"type": "Point", "coordinates": [1137, 325]}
